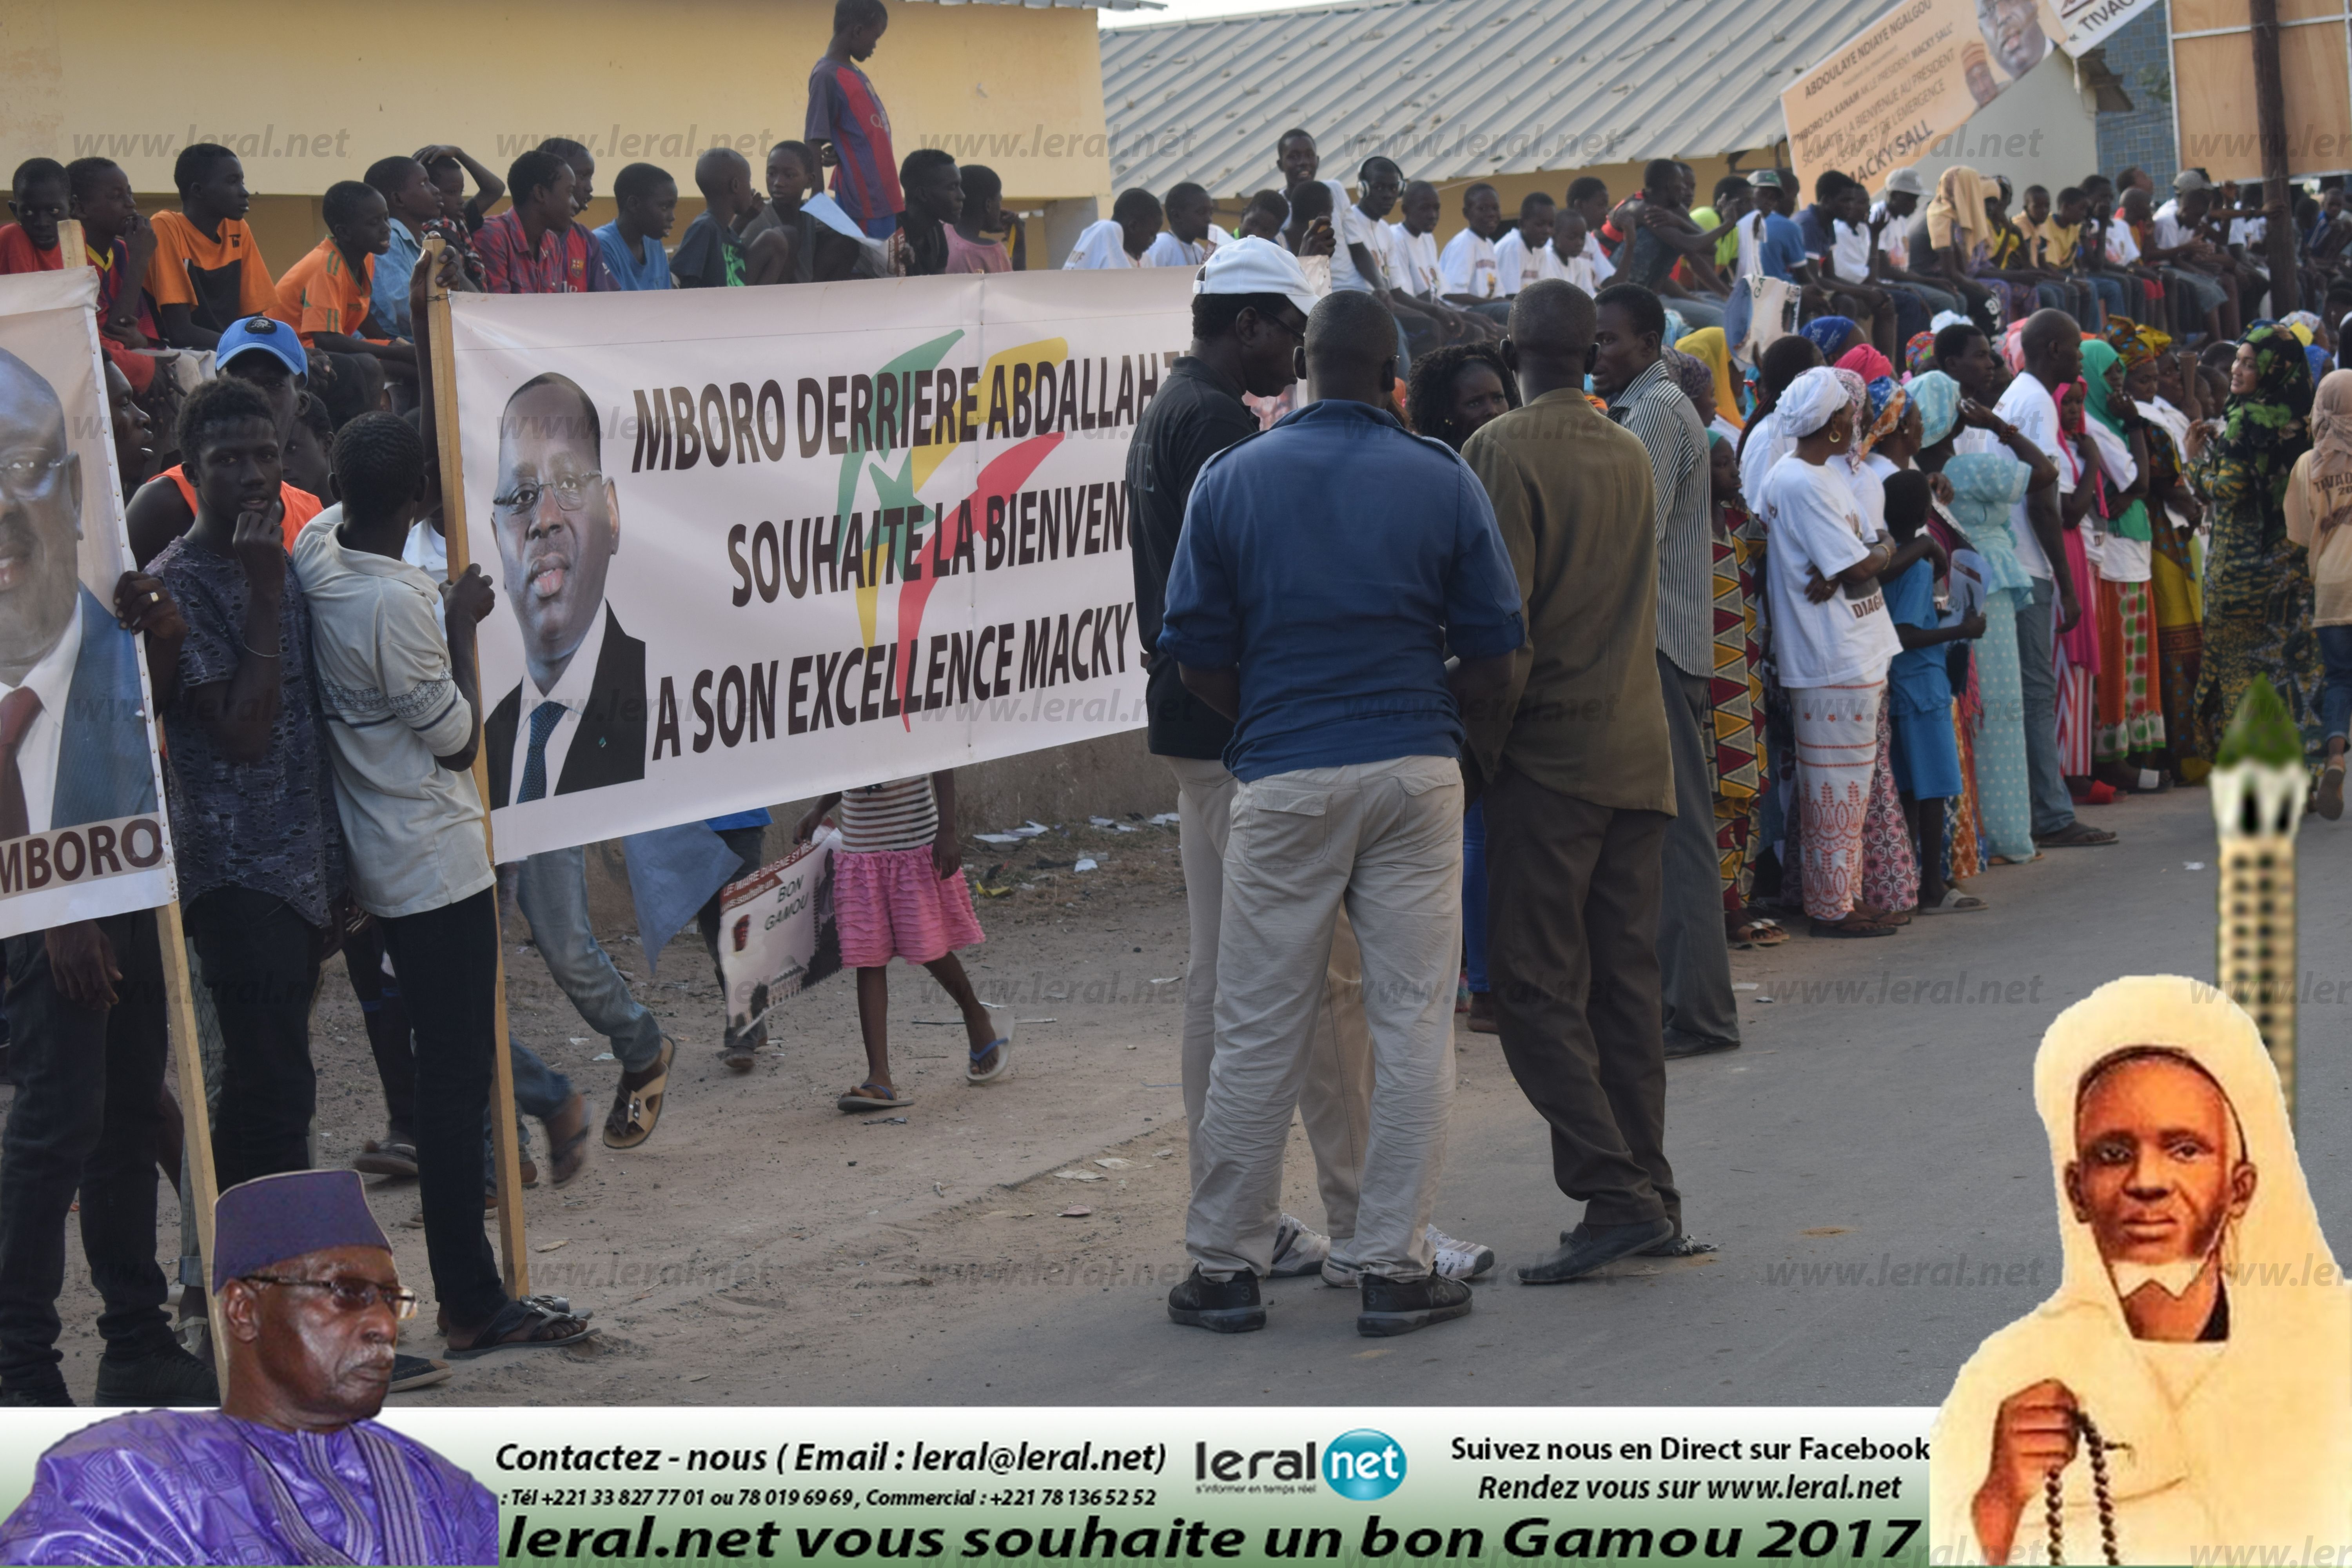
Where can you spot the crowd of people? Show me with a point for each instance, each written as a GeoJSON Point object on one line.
{"type": "Point", "coordinates": [1741, 562]}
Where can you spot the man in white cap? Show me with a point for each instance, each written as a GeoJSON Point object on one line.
{"type": "Point", "coordinates": [293, 1467]}
{"type": "Point", "coordinates": [1890, 232]}
{"type": "Point", "coordinates": [1250, 305]}
{"type": "Point", "coordinates": [2189, 1384]}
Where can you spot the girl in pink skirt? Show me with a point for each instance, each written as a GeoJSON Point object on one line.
{"type": "Point", "coordinates": [898, 892]}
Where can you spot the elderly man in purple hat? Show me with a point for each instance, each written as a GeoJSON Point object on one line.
{"type": "Point", "coordinates": [293, 1467]}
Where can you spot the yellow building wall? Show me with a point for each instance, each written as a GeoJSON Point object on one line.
{"type": "Point", "coordinates": [331, 87]}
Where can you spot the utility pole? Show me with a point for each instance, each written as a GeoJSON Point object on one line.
{"type": "Point", "coordinates": [2269, 126]}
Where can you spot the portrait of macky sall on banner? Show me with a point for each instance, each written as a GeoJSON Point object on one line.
{"type": "Point", "coordinates": [2186, 1395]}
{"type": "Point", "coordinates": [82, 832]}
{"type": "Point", "coordinates": [576, 719]}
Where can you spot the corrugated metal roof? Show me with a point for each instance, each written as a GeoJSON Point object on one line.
{"type": "Point", "coordinates": [1063, 5]}
{"type": "Point", "coordinates": [1457, 88]}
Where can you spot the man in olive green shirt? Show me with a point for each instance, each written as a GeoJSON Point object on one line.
{"type": "Point", "coordinates": [1578, 789]}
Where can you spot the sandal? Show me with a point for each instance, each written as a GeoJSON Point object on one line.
{"type": "Point", "coordinates": [1757, 930]}
{"type": "Point", "coordinates": [1000, 1047]}
{"type": "Point", "coordinates": [1853, 925]}
{"type": "Point", "coordinates": [2328, 800]}
{"type": "Point", "coordinates": [1954, 902]}
{"type": "Point", "coordinates": [2077, 836]}
{"type": "Point", "coordinates": [567, 1139]}
{"type": "Point", "coordinates": [637, 1101]}
{"type": "Point", "coordinates": [386, 1156]}
{"type": "Point", "coordinates": [872, 1096]}
{"type": "Point", "coordinates": [527, 1319]}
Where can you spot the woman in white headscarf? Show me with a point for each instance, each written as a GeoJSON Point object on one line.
{"type": "Point", "coordinates": [1831, 641]}
{"type": "Point", "coordinates": [2221, 1393]}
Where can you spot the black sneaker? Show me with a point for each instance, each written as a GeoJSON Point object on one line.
{"type": "Point", "coordinates": [1223, 1307]}
{"type": "Point", "coordinates": [170, 1376]}
{"type": "Point", "coordinates": [1589, 1246]}
{"type": "Point", "coordinates": [49, 1396]}
{"type": "Point", "coordinates": [1400, 1306]}
{"type": "Point", "coordinates": [414, 1372]}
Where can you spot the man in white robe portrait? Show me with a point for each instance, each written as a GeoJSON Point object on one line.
{"type": "Point", "coordinates": [2200, 1327]}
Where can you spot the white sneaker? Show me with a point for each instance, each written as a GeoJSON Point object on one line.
{"type": "Point", "coordinates": [1459, 1259]}
{"type": "Point", "coordinates": [1298, 1250]}
{"type": "Point", "coordinates": [1455, 1259]}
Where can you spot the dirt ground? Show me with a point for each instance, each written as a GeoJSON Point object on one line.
{"type": "Point", "coordinates": [762, 1246]}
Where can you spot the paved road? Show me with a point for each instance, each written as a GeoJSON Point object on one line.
{"type": "Point", "coordinates": [1855, 1133]}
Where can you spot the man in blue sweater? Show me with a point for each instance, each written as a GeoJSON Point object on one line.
{"type": "Point", "coordinates": [1321, 627]}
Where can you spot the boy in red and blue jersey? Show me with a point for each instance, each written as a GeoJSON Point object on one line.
{"type": "Point", "coordinates": [847, 124]}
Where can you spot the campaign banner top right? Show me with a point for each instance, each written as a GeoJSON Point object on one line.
{"type": "Point", "coordinates": [1883, 98]}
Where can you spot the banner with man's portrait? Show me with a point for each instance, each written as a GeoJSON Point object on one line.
{"type": "Point", "coordinates": [755, 545]}
{"type": "Point", "coordinates": [82, 829]}
{"type": "Point", "coordinates": [1887, 95]}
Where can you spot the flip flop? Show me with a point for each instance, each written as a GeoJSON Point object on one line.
{"type": "Point", "coordinates": [517, 1315]}
{"type": "Point", "coordinates": [636, 1111]}
{"type": "Point", "coordinates": [1002, 1045]}
{"type": "Point", "coordinates": [871, 1096]}
{"type": "Point", "coordinates": [1851, 927]}
{"type": "Point", "coordinates": [1955, 903]}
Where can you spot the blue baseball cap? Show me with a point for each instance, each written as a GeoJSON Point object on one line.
{"type": "Point", "coordinates": [265, 334]}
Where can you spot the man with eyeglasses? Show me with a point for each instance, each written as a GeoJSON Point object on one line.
{"type": "Point", "coordinates": [86, 998]}
{"type": "Point", "coordinates": [294, 1466]}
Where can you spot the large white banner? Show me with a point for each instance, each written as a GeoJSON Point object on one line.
{"type": "Point", "coordinates": [82, 828]}
{"type": "Point", "coordinates": [754, 544]}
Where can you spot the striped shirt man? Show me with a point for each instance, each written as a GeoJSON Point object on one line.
{"type": "Point", "coordinates": [1666, 424]}
{"type": "Point", "coordinates": [845, 109]}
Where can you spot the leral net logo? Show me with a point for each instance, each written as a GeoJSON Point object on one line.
{"type": "Point", "coordinates": [1363, 1464]}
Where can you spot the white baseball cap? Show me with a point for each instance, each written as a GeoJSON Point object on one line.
{"type": "Point", "coordinates": [1907, 182]}
{"type": "Point", "coordinates": [1255, 266]}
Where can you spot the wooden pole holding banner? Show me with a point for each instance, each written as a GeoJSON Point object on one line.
{"type": "Point", "coordinates": [180, 998]}
{"type": "Point", "coordinates": [507, 1156]}
{"type": "Point", "coordinates": [195, 1111]}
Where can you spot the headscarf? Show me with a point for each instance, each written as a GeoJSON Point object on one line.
{"type": "Point", "coordinates": [1919, 354]}
{"type": "Point", "coordinates": [1866, 362]}
{"type": "Point", "coordinates": [1857, 392]}
{"type": "Point", "coordinates": [1811, 401]}
{"type": "Point", "coordinates": [1826, 332]}
{"type": "Point", "coordinates": [1883, 403]}
{"type": "Point", "coordinates": [2135, 342]}
{"type": "Point", "coordinates": [2306, 319]}
{"type": "Point", "coordinates": [1938, 397]}
{"type": "Point", "coordinates": [1956, 217]}
{"type": "Point", "coordinates": [1709, 347]}
{"type": "Point", "coordinates": [2099, 403]}
{"type": "Point", "coordinates": [2264, 430]}
{"type": "Point", "coordinates": [1687, 373]}
{"type": "Point", "coordinates": [2331, 454]}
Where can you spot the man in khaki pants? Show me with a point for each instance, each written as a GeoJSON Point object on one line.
{"type": "Point", "coordinates": [1249, 310]}
{"type": "Point", "coordinates": [1321, 627]}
